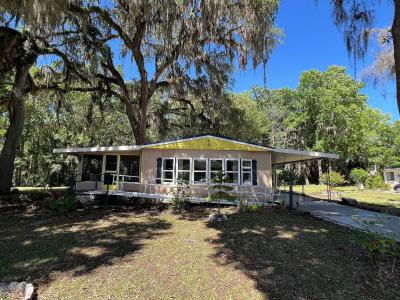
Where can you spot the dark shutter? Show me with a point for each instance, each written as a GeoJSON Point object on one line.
{"type": "Point", "coordinates": [240, 171]}
{"type": "Point", "coordinates": [159, 165]}
{"type": "Point", "coordinates": [254, 171]}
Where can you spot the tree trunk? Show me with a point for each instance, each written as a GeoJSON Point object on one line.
{"type": "Point", "coordinates": [139, 124]}
{"type": "Point", "coordinates": [396, 46]}
{"type": "Point", "coordinates": [141, 129]}
{"type": "Point", "coordinates": [14, 131]}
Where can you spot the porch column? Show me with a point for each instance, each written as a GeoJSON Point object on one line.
{"type": "Point", "coordinates": [290, 187]}
{"type": "Point", "coordinates": [118, 162]}
{"type": "Point", "coordinates": [103, 168]}
{"type": "Point", "coordinates": [80, 166]}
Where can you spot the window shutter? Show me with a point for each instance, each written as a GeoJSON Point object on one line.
{"type": "Point", "coordinates": [159, 165]}
{"type": "Point", "coordinates": [240, 171]}
{"type": "Point", "coordinates": [254, 171]}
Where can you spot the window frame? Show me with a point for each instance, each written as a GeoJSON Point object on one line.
{"type": "Point", "coordinates": [233, 172]}
{"type": "Point", "coordinates": [209, 167]}
{"type": "Point", "coordinates": [163, 171]}
{"type": "Point", "coordinates": [88, 176]}
{"type": "Point", "coordinates": [185, 171]}
{"type": "Point", "coordinates": [391, 178]}
{"type": "Point", "coordinates": [136, 178]}
{"type": "Point", "coordinates": [247, 171]}
{"type": "Point", "coordinates": [193, 171]}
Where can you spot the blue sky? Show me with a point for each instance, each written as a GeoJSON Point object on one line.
{"type": "Point", "coordinates": [313, 42]}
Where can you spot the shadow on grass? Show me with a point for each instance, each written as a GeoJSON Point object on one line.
{"type": "Point", "coordinates": [33, 246]}
{"type": "Point", "coordinates": [292, 256]}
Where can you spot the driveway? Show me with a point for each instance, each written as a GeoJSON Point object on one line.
{"type": "Point", "coordinates": [349, 216]}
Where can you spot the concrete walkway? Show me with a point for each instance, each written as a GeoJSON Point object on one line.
{"type": "Point", "coordinates": [350, 216]}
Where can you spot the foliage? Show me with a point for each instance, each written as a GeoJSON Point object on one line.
{"type": "Point", "coordinates": [326, 112]}
{"type": "Point", "coordinates": [59, 202]}
{"type": "Point", "coordinates": [220, 189]}
{"type": "Point", "coordinates": [375, 182]}
{"type": "Point", "coordinates": [253, 208]}
{"type": "Point", "coordinates": [377, 246]}
{"type": "Point", "coordinates": [358, 176]}
{"type": "Point", "coordinates": [333, 178]}
{"type": "Point", "coordinates": [25, 197]}
{"type": "Point", "coordinates": [180, 195]}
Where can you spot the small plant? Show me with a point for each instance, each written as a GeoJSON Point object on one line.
{"type": "Point", "coordinates": [334, 179]}
{"type": "Point", "coordinates": [254, 208]}
{"type": "Point", "coordinates": [377, 246]}
{"type": "Point", "coordinates": [220, 189]}
{"type": "Point", "coordinates": [180, 195]}
{"type": "Point", "coordinates": [358, 177]}
{"type": "Point", "coordinates": [60, 203]}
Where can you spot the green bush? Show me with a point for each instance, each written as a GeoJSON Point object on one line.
{"type": "Point", "coordinates": [60, 204]}
{"type": "Point", "coordinates": [358, 176]}
{"type": "Point", "coordinates": [180, 195]}
{"type": "Point", "coordinates": [375, 182]}
{"type": "Point", "coordinates": [376, 246]}
{"type": "Point", "coordinates": [335, 178]}
{"type": "Point", "coordinates": [254, 208]}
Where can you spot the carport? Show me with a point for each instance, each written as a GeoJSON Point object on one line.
{"type": "Point", "coordinates": [282, 157]}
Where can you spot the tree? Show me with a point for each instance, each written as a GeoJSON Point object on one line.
{"type": "Point", "coordinates": [189, 45]}
{"type": "Point", "coordinates": [19, 48]}
{"type": "Point", "coordinates": [220, 188]}
{"type": "Point", "coordinates": [355, 19]}
{"type": "Point", "coordinates": [359, 176]}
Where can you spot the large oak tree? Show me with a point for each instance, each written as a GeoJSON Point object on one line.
{"type": "Point", "coordinates": [175, 47]}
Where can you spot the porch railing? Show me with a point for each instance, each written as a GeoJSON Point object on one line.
{"type": "Point", "coordinates": [151, 185]}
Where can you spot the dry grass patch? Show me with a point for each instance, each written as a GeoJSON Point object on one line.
{"type": "Point", "coordinates": [160, 255]}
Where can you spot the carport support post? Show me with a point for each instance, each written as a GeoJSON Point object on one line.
{"type": "Point", "coordinates": [290, 188]}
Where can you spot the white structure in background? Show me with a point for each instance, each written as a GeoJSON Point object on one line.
{"type": "Point", "coordinates": [391, 176]}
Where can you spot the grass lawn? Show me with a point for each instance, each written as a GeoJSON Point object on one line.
{"type": "Point", "coordinates": [155, 254]}
{"type": "Point", "coordinates": [382, 201]}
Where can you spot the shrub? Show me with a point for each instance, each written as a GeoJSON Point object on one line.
{"type": "Point", "coordinates": [180, 195]}
{"type": "Point", "coordinates": [377, 246]}
{"type": "Point", "coordinates": [254, 208]}
{"type": "Point", "coordinates": [358, 176]}
{"type": "Point", "coordinates": [60, 203]}
{"type": "Point", "coordinates": [335, 178]}
{"type": "Point", "coordinates": [375, 182]}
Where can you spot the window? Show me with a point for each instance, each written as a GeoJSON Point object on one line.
{"type": "Point", "coordinates": [91, 167]}
{"type": "Point", "coordinates": [232, 171]}
{"type": "Point", "coordinates": [215, 166]}
{"type": "Point", "coordinates": [390, 176]}
{"type": "Point", "coordinates": [199, 170]}
{"type": "Point", "coordinates": [183, 170]}
{"type": "Point", "coordinates": [130, 165]}
{"type": "Point", "coordinates": [111, 163]}
{"type": "Point", "coordinates": [246, 172]}
{"type": "Point", "coordinates": [167, 174]}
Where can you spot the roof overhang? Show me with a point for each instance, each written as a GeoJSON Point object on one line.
{"type": "Point", "coordinates": [204, 142]}
{"type": "Point", "coordinates": [285, 156]}
{"type": "Point", "coordinates": [97, 150]}
{"type": "Point", "coordinates": [208, 142]}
